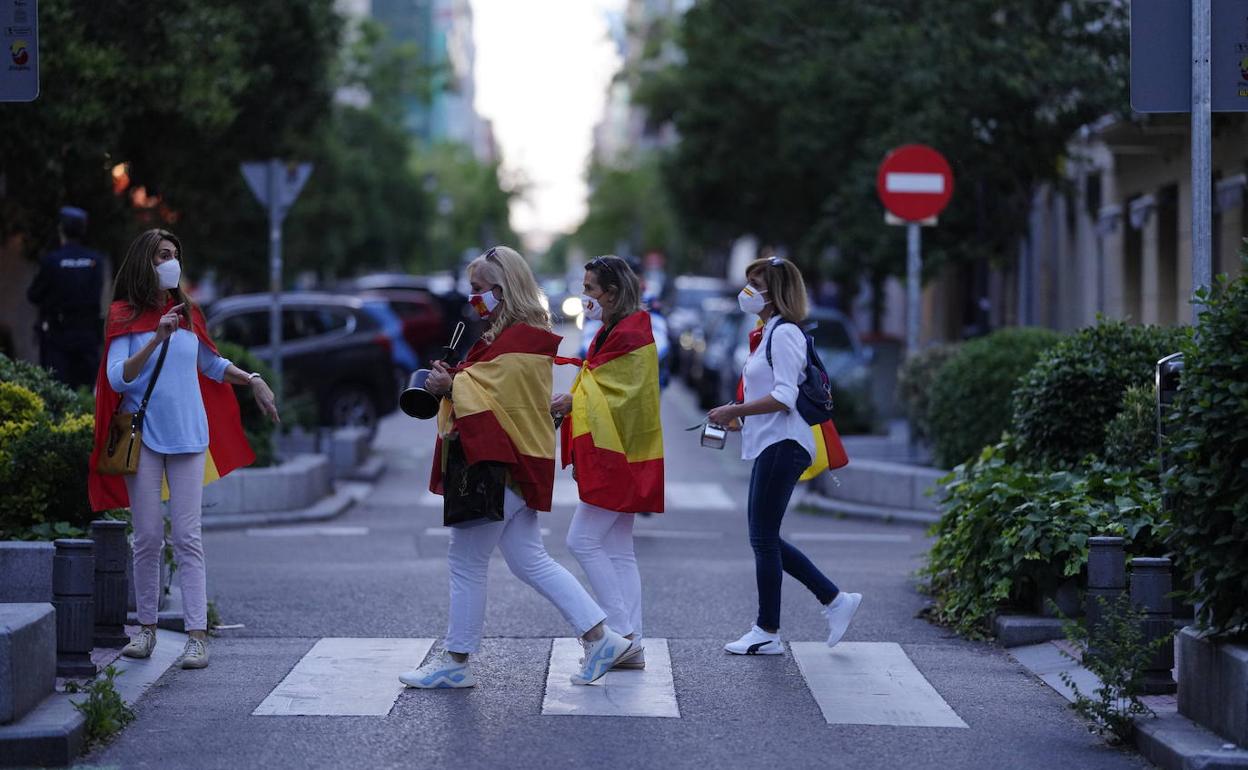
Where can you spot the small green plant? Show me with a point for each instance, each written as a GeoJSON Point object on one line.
{"type": "Point", "coordinates": [214, 616]}
{"type": "Point", "coordinates": [105, 711]}
{"type": "Point", "coordinates": [1116, 652]}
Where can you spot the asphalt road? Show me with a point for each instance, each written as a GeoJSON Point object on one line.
{"type": "Point", "coordinates": [380, 571]}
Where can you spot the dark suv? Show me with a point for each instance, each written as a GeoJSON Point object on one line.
{"type": "Point", "coordinates": [331, 348]}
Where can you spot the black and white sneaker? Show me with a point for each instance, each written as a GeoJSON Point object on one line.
{"type": "Point", "coordinates": [756, 642]}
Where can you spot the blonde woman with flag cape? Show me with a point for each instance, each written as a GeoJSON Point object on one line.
{"type": "Point", "coordinates": [497, 405]}
{"type": "Point", "coordinates": [613, 439]}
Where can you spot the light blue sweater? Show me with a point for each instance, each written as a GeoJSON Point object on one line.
{"type": "Point", "coordinates": [176, 422]}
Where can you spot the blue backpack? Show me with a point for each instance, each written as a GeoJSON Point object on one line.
{"type": "Point", "coordinates": [814, 394]}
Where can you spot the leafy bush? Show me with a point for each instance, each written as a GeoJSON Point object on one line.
{"type": "Point", "coordinates": [970, 401]}
{"type": "Point", "coordinates": [914, 385]}
{"type": "Point", "coordinates": [58, 399]}
{"type": "Point", "coordinates": [1008, 530]}
{"type": "Point", "coordinates": [256, 425]}
{"type": "Point", "coordinates": [1063, 405]}
{"type": "Point", "coordinates": [1131, 437]}
{"type": "Point", "coordinates": [18, 405]}
{"type": "Point", "coordinates": [1207, 446]}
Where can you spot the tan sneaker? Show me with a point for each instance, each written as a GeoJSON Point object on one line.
{"type": "Point", "coordinates": [141, 644]}
{"type": "Point", "coordinates": [194, 655]}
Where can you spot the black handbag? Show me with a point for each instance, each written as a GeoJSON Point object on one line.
{"type": "Point", "coordinates": [472, 494]}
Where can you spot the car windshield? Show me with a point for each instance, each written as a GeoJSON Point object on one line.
{"type": "Point", "coordinates": [832, 335]}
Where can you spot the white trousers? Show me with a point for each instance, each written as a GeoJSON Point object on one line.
{"type": "Point", "coordinates": [602, 541]}
{"type": "Point", "coordinates": [185, 473]}
{"type": "Point", "coordinates": [520, 539]}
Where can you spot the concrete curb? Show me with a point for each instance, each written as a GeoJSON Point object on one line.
{"type": "Point", "coordinates": [821, 504]}
{"type": "Point", "coordinates": [325, 509]}
{"type": "Point", "coordinates": [369, 470]}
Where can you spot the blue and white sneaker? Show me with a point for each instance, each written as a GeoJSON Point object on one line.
{"type": "Point", "coordinates": [601, 656]}
{"type": "Point", "coordinates": [441, 672]}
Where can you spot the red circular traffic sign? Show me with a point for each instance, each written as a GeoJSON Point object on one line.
{"type": "Point", "coordinates": [914, 182]}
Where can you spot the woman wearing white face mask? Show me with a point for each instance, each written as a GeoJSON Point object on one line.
{"type": "Point", "coordinates": [781, 444]}
{"type": "Point", "coordinates": [191, 415]}
{"type": "Point", "coordinates": [613, 438]}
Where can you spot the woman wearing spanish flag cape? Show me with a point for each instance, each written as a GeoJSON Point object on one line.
{"type": "Point", "coordinates": [192, 433]}
{"type": "Point", "coordinates": [613, 438]}
{"type": "Point", "coordinates": [498, 405]}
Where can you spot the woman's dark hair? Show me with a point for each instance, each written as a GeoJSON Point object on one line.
{"type": "Point", "coordinates": [137, 282]}
{"type": "Point", "coordinates": [611, 272]}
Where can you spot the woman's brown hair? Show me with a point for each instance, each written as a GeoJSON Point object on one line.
{"type": "Point", "coordinates": [611, 272]}
{"type": "Point", "coordinates": [137, 282]}
{"type": "Point", "coordinates": [785, 288]}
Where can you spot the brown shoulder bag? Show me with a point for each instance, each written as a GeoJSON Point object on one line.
{"type": "Point", "coordinates": [125, 431]}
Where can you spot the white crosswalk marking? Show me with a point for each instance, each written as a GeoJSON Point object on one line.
{"type": "Point", "coordinates": [647, 693]}
{"type": "Point", "coordinates": [681, 495]}
{"type": "Point", "coordinates": [346, 677]}
{"type": "Point", "coordinates": [871, 683]}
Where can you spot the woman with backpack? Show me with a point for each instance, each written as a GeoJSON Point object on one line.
{"type": "Point", "coordinates": [780, 442]}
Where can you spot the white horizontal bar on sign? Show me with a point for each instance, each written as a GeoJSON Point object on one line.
{"type": "Point", "coordinates": [904, 182]}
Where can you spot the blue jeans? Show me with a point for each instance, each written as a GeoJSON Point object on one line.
{"type": "Point", "coordinates": [771, 486]}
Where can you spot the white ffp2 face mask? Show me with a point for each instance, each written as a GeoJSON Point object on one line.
{"type": "Point", "coordinates": [751, 300]}
{"type": "Point", "coordinates": [169, 274]}
{"type": "Point", "coordinates": [593, 308]}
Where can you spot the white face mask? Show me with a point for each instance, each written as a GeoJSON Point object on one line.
{"type": "Point", "coordinates": [169, 274]}
{"type": "Point", "coordinates": [593, 308]}
{"type": "Point", "coordinates": [752, 300]}
{"type": "Point", "coordinates": [484, 304]}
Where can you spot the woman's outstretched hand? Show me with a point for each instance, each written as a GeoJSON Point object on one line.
{"type": "Point", "coordinates": [263, 394]}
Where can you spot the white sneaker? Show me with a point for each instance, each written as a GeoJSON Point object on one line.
{"type": "Point", "coordinates": [194, 655]}
{"type": "Point", "coordinates": [141, 644]}
{"type": "Point", "coordinates": [601, 656]}
{"type": "Point", "coordinates": [840, 612]}
{"type": "Point", "coordinates": [756, 642]}
{"type": "Point", "coordinates": [440, 673]}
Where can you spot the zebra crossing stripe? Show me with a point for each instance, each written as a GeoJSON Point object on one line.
{"type": "Point", "coordinates": [871, 683]}
{"type": "Point", "coordinates": [650, 692]}
{"type": "Point", "coordinates": [346, 677]}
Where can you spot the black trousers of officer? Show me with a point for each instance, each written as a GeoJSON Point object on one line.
{"type": "Point", "coordinates": [73, 355]}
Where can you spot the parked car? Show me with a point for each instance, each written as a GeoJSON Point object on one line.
{"type": "Point", "coordinates": [404, 357]}
{"type": "Point", "coordinates": [687, 312]}
{"type": "Point", "coordinates": [420, 318]}
{"type": "Point", "coordinates": [332, 348]}
{"type": "Point", "coordinates": [442, 287]}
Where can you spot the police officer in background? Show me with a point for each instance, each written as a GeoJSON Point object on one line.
{"type": "Point", "coordinates": [67, 291]}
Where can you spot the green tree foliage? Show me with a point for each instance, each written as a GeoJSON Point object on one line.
{"type": "Point", "coordinates": [784, 110]}
{"type": "Point", "coordinates": [471, 200]}
{"type": "Point", "coordinates": [630, 211]}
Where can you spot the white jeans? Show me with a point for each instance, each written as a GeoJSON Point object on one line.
{"type": "Point", "coordinates": [185, 473]}
{"type": "Point", "coordinates": [520, 539]}
{"type": "Point", "coordinates": [602, 541]}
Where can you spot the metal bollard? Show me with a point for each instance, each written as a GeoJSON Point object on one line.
{"type": "Point", "coordinates": [1107, 579]}
{"type": "Point", "coordinates": [73, 596]}
{"type": "Point", "coordinates": [1150, 589]}
{"type": "Point", "coordinates": [111, 587]}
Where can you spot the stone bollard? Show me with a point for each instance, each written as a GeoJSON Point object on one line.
{"type": "Point", "coordinates": [111, 587]}
{"type": "Point", "coordinates": [1107, 579]}
{"type": "Point", "coordinates": [1150, 589]}
{"type": "Point", "coordinates": [73, 596]}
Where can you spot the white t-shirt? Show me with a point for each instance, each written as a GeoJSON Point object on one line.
{"type": "Point", "coordinates": [788, 370]}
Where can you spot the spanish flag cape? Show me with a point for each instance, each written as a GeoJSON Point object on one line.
{"type": "Point", "coordinates": [227, 445]}
{"type": "Point", "coordinates": [501, 411]}
{"type": "Point", "coordinates": [829, 452]}
{"type": "Point", "coordinates": [613, 434]}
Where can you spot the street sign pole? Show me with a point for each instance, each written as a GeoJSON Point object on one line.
{"type": "Point", "coordinates": [914, 270]}
{"type": "Point", "coordinates": [1202, 176]}
{"type": "Point", "coordinates": [275, 272]}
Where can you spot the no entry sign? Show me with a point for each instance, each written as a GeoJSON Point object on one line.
{"type": "Point", "coordinates": [914, 182]}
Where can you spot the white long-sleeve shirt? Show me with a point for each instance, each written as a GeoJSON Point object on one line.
{"type": "Point", "coordinates": [176, 422]}
{"type": "Point", "coordinates": [780, 380]}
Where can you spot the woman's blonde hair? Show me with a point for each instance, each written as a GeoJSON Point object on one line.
{"type": "Point", "coordinates": [522, 298]}
{"type": "Point", "coordinates": [785, 288]}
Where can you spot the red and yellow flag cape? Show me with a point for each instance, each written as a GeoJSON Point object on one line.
{"type": "Point", "coordinates": [501, 410]}
{"type": "Point", "coordinates": [829, 451]}
{"type": "Point", "coordinates": [227, 444]}
{"type": "Point", "coordinates": [613, 434]}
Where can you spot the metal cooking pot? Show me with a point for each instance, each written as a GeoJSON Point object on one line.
{"type": "Point", "coordinates": [714, 436]}
{"type": "Point", "coordinates": [417, 402]}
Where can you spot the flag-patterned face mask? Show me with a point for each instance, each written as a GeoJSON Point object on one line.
{"type": "Point", "coordinates": [484, 304]}
{"type": "Point", "coordinates": [752, 300]}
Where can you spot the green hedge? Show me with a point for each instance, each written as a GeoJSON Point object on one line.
{"type": "Point", "coordinates": [914, 385]}
{"type": "Point", "coordinates": [58, 399]}
{"type": "Point", "coordinates": [256, 425]}
{"type": "Point", "coordinates": [1064, 404]}
{"type": "Point", "coordinates": [1131, 437]}
{"type": "Point", "coordinates": [1207, 477]}
{"type": "Point", "coordinates": [1010, 531]}
{"type": "Point", "coordinates": [971, 393]}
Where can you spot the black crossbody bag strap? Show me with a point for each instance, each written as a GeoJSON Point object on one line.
{"type": "Point", "coordinates": [160, 363]}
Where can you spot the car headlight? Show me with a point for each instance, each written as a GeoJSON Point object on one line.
{"type": "Point", "coordinates": [571, 306]}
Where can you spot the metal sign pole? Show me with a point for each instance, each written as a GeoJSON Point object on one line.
{"type": "Point", "coordinates": [275, 272]}
{"type": "Point", "coordinates": [914, 269]}
{"type": "Point", "coordinates": [1202, 205]}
